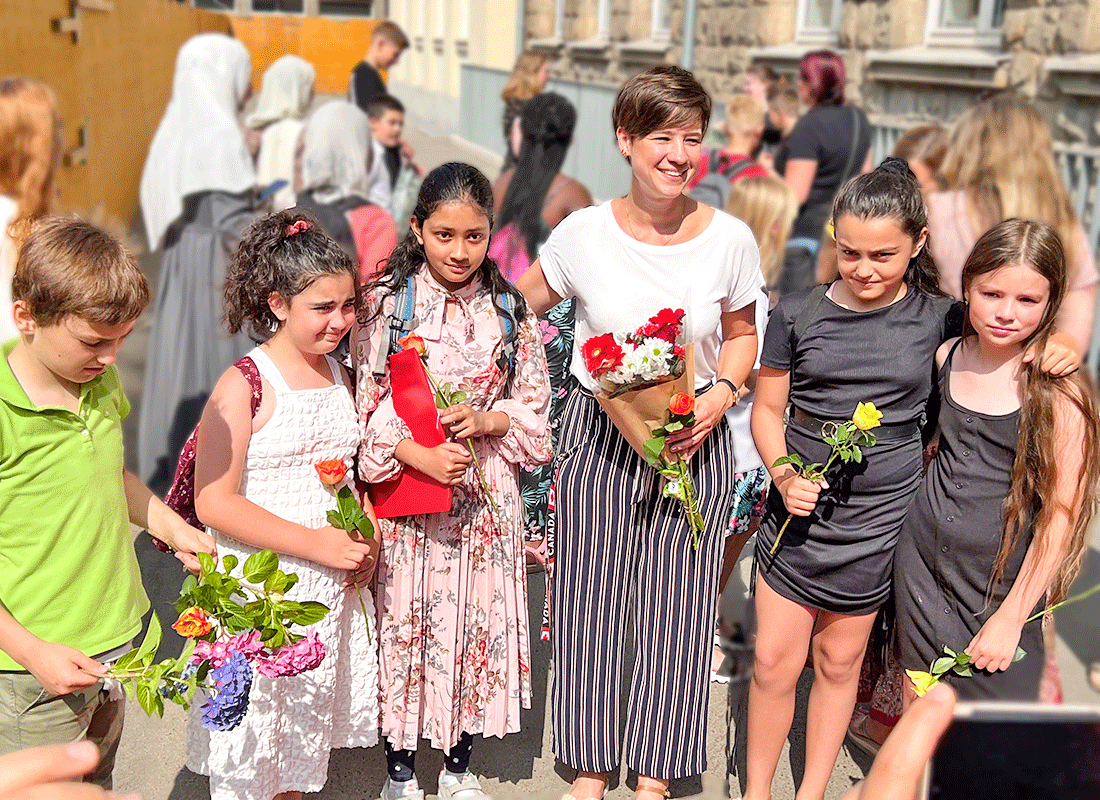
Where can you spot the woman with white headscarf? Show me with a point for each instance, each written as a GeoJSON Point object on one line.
{"type": "Point", "coordinates": [336, 158]}
{"type": "Point", "coordinates": [285, 95]}
{"type": "Point", "coordinates": [196, 198]}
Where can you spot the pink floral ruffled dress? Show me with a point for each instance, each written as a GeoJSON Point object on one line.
{"type": "Point", "coordinates": [452, 587]}
{"type": "Point", "coordinates": [292, 723]}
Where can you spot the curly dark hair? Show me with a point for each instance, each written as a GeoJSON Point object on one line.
{"type": "Point", "coordinates": [272, 259]}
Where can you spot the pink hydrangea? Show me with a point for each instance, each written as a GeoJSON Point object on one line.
{"type": "Point", "coordinates": [218, 652]}
{"type": "Point", "coordinates": [291, 659]}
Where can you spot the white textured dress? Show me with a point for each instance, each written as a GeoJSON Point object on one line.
{"type": "Point", "coordinates": [292, 723]}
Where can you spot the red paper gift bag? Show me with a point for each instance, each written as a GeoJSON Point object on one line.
{"type": "Point", "coordinates": [412, 492]}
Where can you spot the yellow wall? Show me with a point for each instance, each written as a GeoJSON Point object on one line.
{"type": "Point", "coordinates": [333, 46]}
{"type": "Point", "coordinates": [115, 81]}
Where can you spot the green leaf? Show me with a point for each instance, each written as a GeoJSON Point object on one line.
{"type": "Point", "coordinates": [653, 449]}
{"type": "Point", "coordinates": [672, 427]}
{"type": "Point", "coordinates": [857, 455]}
{"type": "Point", "coordinates": [963, 670]}
{"type": "Point", "coordinates": [151, 641]}
{"type": "Point", "coordinates": [949, 651]}
{"type": "Point", "coordinates": [793, 458]}
{"type": "Point", "coordinates": [189, 584]}
{"type": "Point", "coordinates": [843, 433]}
{"type": "Point", "coordinates": [311, 612]}
{"type": "Point", "coordinates": [458, 397]}
{"type": "Point", "coordinates": [942, 665]}
{"type": "Point", "coordinates": [229, 563]}
{"type": "Point", "coordinates": [334, 519]}
{"type": "Point", "coordinates": [145, 698]}
{"type": "Point", "coordinates": [207, 563]}
{"type": "Point", "coordinates": [830, 440]}
{"type": "Point", "coordinates": [365, 527]}
{"type": "Point", "coordinates": [185, 656]}
{"type": "Point", "coordinates": [258, 566]}
{"type": "Point", "coordinates": [963, 658]}
{"type": "Point", "coordinates": [1020, 653]}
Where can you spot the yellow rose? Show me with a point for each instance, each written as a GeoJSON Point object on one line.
{"type": "Point", "coordinates": [866, 416]}
{"type": "Point", "coordinates": [922, 681]}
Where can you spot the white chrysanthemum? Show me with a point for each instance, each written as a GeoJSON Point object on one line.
{"type": "Point", "coordinates": [657, 357]}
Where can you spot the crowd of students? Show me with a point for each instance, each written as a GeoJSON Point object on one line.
{"type": "Point", "coordinates": [274, 332]}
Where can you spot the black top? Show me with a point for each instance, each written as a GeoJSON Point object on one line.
{"type": "Point", "coordinates": [825, 134]}
{"type": "Point", "coordinates": [334, 217]}
{"type": "Point", "coordinates": [366, 84]}
{"type": "Point", "coordinates": [887, 357]}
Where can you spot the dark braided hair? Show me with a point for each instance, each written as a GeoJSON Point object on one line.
{"type": "Point", "coordinates": [547, 126]}
{"type": "Point", "coordinates": [270, 259]}
{"type": "Point", "coordinates": [891, 191]}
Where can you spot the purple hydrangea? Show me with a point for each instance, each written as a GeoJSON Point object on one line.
{"type": "Point", "coordinates": [291, 659]}
{"type": "Point", "coordinates": [232, 681]}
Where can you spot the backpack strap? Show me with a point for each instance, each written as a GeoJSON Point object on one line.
{"type": "Point", "coordinates": [806, 313]}
{"type": "Point", "coordinates": [506, 362]}
{"type": "Point", "coordinates": [737, 167]}
{"type": "Point", "coordinates": [397, 324]}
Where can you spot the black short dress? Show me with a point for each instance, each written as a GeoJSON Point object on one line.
{"type": "Point", "coordinates": [840, 557]}
{"type": "Point", "coordinates": [949, 544]}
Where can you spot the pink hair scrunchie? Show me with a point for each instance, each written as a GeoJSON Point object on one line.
{"type": "Point", "coordinates": [297, 227]}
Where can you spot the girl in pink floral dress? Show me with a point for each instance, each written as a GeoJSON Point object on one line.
{"type": "Point", "coordinates": [451, 587]}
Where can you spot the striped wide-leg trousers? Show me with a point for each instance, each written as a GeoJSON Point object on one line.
{"type": "Point", "coordinates": [625, 557]}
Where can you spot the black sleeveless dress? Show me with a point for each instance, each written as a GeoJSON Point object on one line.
{"type": "Point", "coordinates": [948, 547]}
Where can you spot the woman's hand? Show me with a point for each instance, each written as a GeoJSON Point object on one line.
{"type": "Point", "coordinates": [994, 646]}
{"type": "Point", "coordinates": [462, 422]}
{"type": "Point", "coordinates": [334, 548]}
{"type": "Point", "coordinates": [799, 495]}
{"type": "Point", "coordinates": [709, 409]}
{"type": "Point", "coordinates": [1059, 358]}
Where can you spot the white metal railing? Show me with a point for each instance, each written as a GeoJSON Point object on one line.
{"type": "Point", "coordinates": [1080, 165]}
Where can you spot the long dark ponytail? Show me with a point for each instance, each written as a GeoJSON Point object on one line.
{"type": "Point", "coordinates": [547, 125]}
{"type": "Point", "coordinates": [891, 191]}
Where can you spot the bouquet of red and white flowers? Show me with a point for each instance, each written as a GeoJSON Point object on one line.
{"type": "Point", "coordinates": [647, 378]}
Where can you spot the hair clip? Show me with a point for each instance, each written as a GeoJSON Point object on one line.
{"type": "Point", "coordinates": [298, 227]}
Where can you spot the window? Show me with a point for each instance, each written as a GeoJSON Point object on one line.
{"type": "Point", "coordinates": [277, 6]}
{"type": "Point", "coordinates": [215, 5]}
{"type": "Point", "coordinates": [818, 21]}
{"type": "Point", "coordinates": [661, 23]}
{"type": "Point", "coordinates": [346, 8]}
{"type": "Point", "coordinates": [965, 22]}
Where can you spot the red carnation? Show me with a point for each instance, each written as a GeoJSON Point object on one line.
{"type": "Point", "coordinates": [602, 354]}
{"type": "Point", "coordinates": [665, 324]}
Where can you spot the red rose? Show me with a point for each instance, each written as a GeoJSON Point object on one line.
{"type": "Point", "coordinates": [410, 341]}
{"type": "Point", "coordinates": [192, 623]}
{"type": "Point", "coordinates": [681, 404]}
{"type": "Point", "coordinates": [331, 472]}
{"type": "Point", "coordinates": [602, 354]}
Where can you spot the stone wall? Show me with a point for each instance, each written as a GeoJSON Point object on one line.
{"type": "Point", "coordinates": [1049, 50]}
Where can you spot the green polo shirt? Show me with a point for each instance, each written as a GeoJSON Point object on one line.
{"type": "Point", "coordinates": [68, 571]}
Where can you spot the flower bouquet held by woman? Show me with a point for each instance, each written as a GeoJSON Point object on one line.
{"type": "Point", "coordinates": [647, 377]}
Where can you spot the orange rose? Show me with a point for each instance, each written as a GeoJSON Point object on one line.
{"type": "Point", "coordinates": [192, 623]}
{"type": "Point", "coordinates": [331, 472]}
{"type": "Point", "coordinates": [681, 404]}
{"type": "Point", "coordinates": [410, 341]}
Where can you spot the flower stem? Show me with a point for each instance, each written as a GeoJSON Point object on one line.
{"type": "Point", "coordinates": [1067, 601]}
{"type": "Point", "coordinates": [481, 477]}
{"type": "Point", "coordinates": [820, 474]}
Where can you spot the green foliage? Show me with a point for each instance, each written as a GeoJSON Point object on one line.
{"type": "Point", "coordinates": [234, 605]}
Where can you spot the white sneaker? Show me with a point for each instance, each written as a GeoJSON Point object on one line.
{"type": "Point", "coordinates": [409, 790]}
{"type": "Point", "coordinates": [461, 787]}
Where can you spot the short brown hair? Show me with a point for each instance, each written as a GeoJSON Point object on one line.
{"type": "Point", "coordinates": [68, 267]}
{"type": "Point", "coordinates": [391, 32]}
{"type": "Point", "coordinates": [662, 95]}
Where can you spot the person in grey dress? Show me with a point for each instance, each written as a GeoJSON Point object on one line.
{"type": "Point", "coordinates": [997, 530]}
{"type": "Point", "coordinates": [196, 198]}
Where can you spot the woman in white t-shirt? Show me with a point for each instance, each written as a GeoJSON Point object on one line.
{"type": "Point", "coordinates": [626, 559]}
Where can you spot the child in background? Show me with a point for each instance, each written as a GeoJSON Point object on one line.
{"type": "Point", "coordinates": [869, 337]}
{"type": "Point", "coordinates": [256, 488]}
{"type": "Point", "coordinates": [387, 43]}
{"type": "Point", "coordinates": [71, 598]}
{"type": "Point", "coordinates": [392, 166]}
{"type": "Point", "coordinates": [453, 631]}
{"type": "Point", "coordinates": [767, 205]}
{"type": "Point", "coordinates": [744, 127]}
{"type": "Point", "coordinates": [1000, 520]}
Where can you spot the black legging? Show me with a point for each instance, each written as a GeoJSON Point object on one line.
{"type": "Point", "coordinates": [401, 763]}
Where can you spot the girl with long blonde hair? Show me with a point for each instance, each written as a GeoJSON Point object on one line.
{"type": "Point", "coordinates": [30, 129]}
{"type": "Point", "coordinates": [768, 206]}
{"type": "Point", "coordinates": [1000, 164]}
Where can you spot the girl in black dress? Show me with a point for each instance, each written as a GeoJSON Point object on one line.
{"type": "Point", "coordinates": [869, 337]}
{"type": "Point", "coordinates": [999, 521]}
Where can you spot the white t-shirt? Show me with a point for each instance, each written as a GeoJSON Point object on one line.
{"type": "Point", "coordinates": [745, 456]}
{"type": "Point", "coordinates": [620, 282]}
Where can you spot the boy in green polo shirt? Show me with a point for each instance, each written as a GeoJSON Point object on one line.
{"type": "Point", "coordinates": [70, 592]}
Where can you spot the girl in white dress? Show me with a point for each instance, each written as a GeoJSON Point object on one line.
{"type": "Point", "coordinates": [256, 488]}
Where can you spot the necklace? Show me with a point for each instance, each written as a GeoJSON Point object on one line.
{"type": "Point", "coordinates": [668, 237]}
